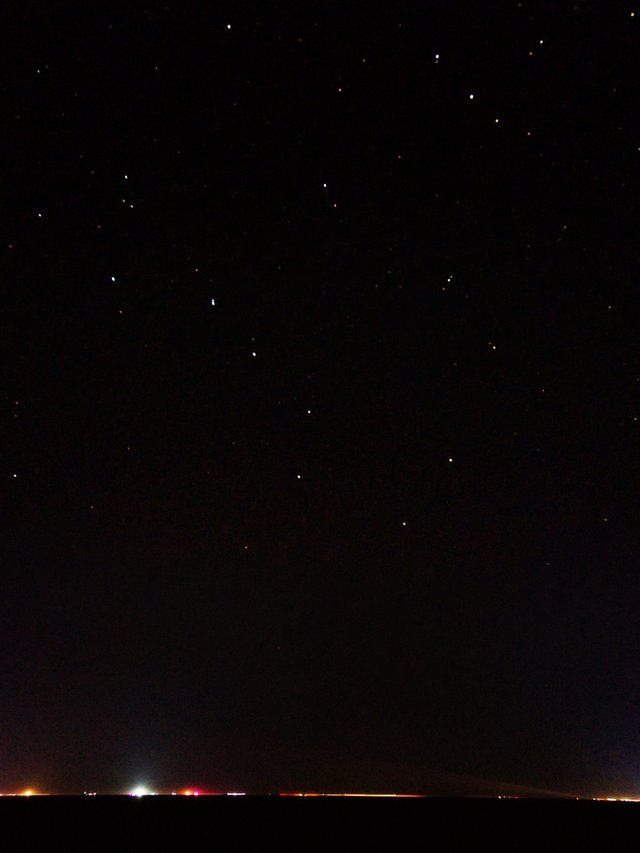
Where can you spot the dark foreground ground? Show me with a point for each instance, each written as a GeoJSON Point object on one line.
{"type": "Point", "coordinates": [256, 823]}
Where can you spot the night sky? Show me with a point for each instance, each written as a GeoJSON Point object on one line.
{"type": "Point", "coordinates": [320, 395]}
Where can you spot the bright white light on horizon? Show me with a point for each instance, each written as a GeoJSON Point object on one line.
{"type": "Point", "coordinates": [139, 791]}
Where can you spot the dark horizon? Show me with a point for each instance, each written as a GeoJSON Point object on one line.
{"type": "Point", "coordinates": [321, 403]}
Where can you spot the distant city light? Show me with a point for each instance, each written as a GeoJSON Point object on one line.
{"type": "Point", "coordinates": [139, 791]}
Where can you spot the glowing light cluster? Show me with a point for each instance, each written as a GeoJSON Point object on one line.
{"type": "Point", "coordinates": [140, 791]}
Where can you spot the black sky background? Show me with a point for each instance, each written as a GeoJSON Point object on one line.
{"type": "Point", "coordinates": [264, 571]}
